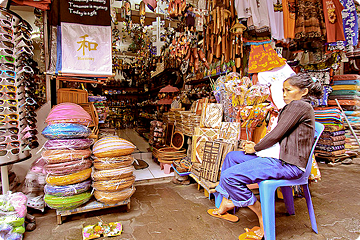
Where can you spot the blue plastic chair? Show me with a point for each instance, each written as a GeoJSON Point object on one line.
{"type": "Point", "coordinates": [267, 190]}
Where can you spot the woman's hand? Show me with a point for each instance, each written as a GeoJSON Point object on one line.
{"type": "Point", "coordinates": [249, 147]}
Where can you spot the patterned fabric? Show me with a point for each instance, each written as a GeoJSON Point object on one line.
{"type": "Point", "coordinates": [323, 101]}
{"type": "Point", "coordinates": [329, 142]}
{"type": "Point", "coordinates": [230, 131]}
{"type": "Point", "coordinates": [263, 58]}
{"type": "Point", "coordinates": [309, 21]}
{"type": "Point", "coordinates": [329, 148]}
{"type": "Point", "coordinates": [350, 22]}
{"type": "Point", "coordinates": [334, 153]}
{"type": "Point", "coordinates": [332, 134]}
{"type": "Point", "coordinates": [212, 116]}
{"type": "Point", "coordinates": [322, 76]}
{"type": "Point", "coordinates": [201, 136]}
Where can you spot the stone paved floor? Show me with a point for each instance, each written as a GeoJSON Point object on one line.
{"type": "Point", "coordinates": [165, 211]}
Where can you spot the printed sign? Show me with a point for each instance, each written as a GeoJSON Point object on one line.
{"type": "Point", "coordinates": [86, 49]}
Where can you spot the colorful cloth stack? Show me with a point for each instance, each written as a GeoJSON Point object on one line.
{"type": "Point", "coordinates": [67, 154]}
{"type": "Point", "coordinates": [332, 140]}
{"type": "Point", "coordinates": [346, 89]}
{"type": "Point", "coordinates": [354, 119]}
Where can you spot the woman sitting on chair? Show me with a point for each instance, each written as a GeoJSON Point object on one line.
{"type": "Point", "coordinates": [282, 154]}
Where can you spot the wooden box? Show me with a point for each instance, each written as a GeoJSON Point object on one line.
{"type": "Point", "coordinates": [72, 95]}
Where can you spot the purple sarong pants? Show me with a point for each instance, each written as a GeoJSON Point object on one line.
{"type": "Point", "coordinates": [240, 169]}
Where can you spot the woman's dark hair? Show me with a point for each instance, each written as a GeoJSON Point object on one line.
{"type": "Point", "coordinates": [302, 81]}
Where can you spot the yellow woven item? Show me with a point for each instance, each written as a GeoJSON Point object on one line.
{"type": "Point", "coordinates": [69, 179]}
{"type": "Point", "coordinates": [114, 153]}
{"type": "Point", "coordinates": [113, 147]}
{"type": "Point", "coordinates": [113, 174]}
{"type": "Point", "coordinates": [114, 185]}
{"type": "Point", "coordinates": [60, 156]}
{"type": "Point", "coordinates": [114, 197]}
{"type": "Point", "coordinates": [111, 163]}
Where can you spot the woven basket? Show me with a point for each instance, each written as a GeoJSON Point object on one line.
{"type": "Point", "coordinates": [68, 190]}
{"type": "Point", "coordinates": [68, 167]}
{"type": "Point", "coordinates": [169, 154]}
{"type": "Point", "coordinates": [111, 163]}
{"type": "Point", "coordinates": [113, 174]}
{"type": "Point", "coordinates": [60, 156]}
{"type": "Point", "coordinates": [64, 203]}
{"type": "Point", "coordinates": [69, 179]}
{"type": "Point", "coordinates": [114, 197]}
{"type": "Point", "coordinates": [115, 153]}
{"type": "Point", "coordinates": [114, 185]}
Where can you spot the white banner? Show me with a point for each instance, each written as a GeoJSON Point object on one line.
{"type": "Point", "coordinates": [86, 49]}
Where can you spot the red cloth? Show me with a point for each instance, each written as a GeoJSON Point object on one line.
{"type": "Point", "coordinates": [42, 5]}
{"type": "Point", "coordinates": [333, 20]}
{"type": "Point", "coordinates": [263, 58]}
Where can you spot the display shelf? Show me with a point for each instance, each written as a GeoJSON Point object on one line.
{"type": "Point", "coordinates": [90, 206]}
{"type": "Point", "coordinates": [4, 172]}
{"type": "Point", "coordinates": [129, 106]}
{"type": "Point", "coordinates": [204, 79]}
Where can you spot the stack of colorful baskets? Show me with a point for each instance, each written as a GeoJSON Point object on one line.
{"type": "Point", "coordinates": [113, 178]}
{"type": "Point", "coordinates": [67, 153]}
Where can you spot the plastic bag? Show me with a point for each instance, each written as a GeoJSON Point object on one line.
{"type": "Point", "coordinates": [68, 190]}
{"type": "Point", "coordinates": [34, 183]}
{"type": "Point", "coordinates": [114, 197]}
{"type": "Point", "coordinates": [114, 185]}
{"type": "Point", "coordinates": [111, 163]}
{"type": "Point", "coordinates": [60, 156]}
{"type": "Point", "coordinates": [65, 131]}
{"type": "Point", "coordinates": [69, 179]}
{"type": "Point", "coordinates": [68, 167]}
{"type": "Point", "coordinates": [113, 174]}
{"type": "Point", "coordinates": [65, 203]}
{"type": "Point", "coordinates": [70, 144]}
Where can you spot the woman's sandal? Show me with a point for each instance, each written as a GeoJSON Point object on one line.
{"type": "Point", "coordinates": [226, 216]}
{"type": "Point", "coordinates": [253, 233]}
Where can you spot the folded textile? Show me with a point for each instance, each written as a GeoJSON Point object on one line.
{"type": "Point", "coordinates": [331, 154]}
{"type": "Point", "coordinates": [329, 148]}
{"type": "Point", "coordinates": [350, 108]}
{"type": "Point", "coordinates": [347, 82]}
{"type": "Point", "coordinates": [346, 77]}
{"type": "Point", "coordinates": [344, 97]}
{"type": "Point", "coordinates": [344, 92]}
{"type": "Point", "coordinates": [346, 87]}
{"type": "Point", "coordinates": [352, 113]}
{"type": "Point", "coordinates": [334, 128]}
{"type": "Point", "coordinates": [332, 134]}
{"type": "Point", "coordinates": [330, 142]}
{"type": "Point", "coordinates": [344, 102]}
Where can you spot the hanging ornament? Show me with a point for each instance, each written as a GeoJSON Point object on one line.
{"type": "Point", "coordinates": [142, 13]}
{"type": "Point", "coordinates": [127, 10]}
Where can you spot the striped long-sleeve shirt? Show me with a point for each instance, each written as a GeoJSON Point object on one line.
{"type": "Point", "coordinates": [294, 131]}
